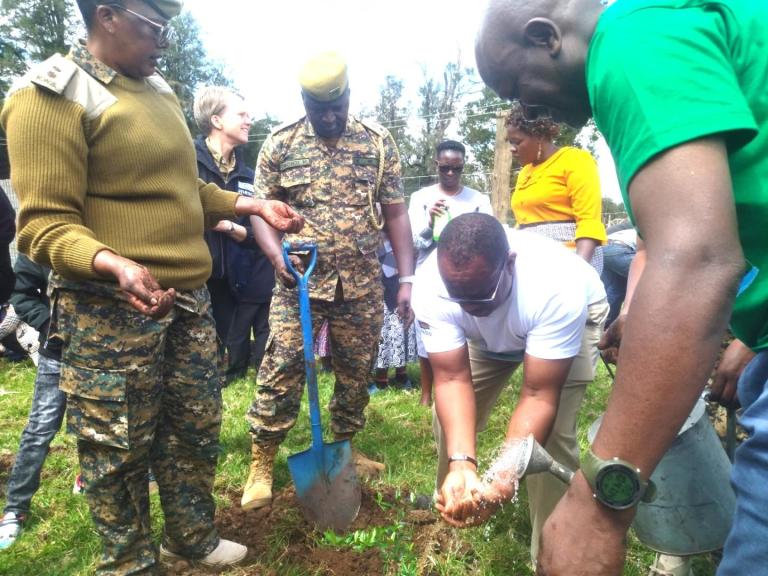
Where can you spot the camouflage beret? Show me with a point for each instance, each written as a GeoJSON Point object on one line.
{"type": "Point", "coordinates": [166, 8]}
{"type": "Point", "coordinates": [324, 77]}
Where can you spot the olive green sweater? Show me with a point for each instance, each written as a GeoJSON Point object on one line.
{"type": "Point", "coordinates": [101, 160]}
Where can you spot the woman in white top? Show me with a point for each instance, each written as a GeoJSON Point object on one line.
{"type": "Point", "coordinates": [435, 205]}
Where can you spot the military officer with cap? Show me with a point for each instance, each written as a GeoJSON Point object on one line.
{"type": "Point", "coordinates": [335, 170]}
{"type": "Point", "coordinates": [105, 169]}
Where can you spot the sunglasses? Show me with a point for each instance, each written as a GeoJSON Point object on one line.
{"type": "Point", "coordinates": [536, 112]}
{"type": "Point", "coordinates": [489, 300]}
{"type": "Point", "coordinates": [446, 169]}
{"type": "Point", "coordinates": [163, 32]}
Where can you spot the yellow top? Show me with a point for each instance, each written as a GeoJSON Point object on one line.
{"type": "Point", "coordinates": [108, 162]}
{"type": "Point", "coordinates": [565, 187]}
{"type": "Point", "coordinates": [324, 77]}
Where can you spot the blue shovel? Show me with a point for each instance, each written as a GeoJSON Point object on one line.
{"type": "Point", "coordinates": [326, 483]}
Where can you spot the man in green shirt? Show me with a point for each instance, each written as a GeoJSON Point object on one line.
{"type": "Point", "coordinates": [678, 89]}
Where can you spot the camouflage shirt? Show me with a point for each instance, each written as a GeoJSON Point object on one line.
{"type": "Point", "coordinates": [331, 187]}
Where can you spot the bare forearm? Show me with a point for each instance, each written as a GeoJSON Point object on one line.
{"type": "Point", "coordinates": [455, 408]}
{"type": "Point", "coordinates": [533, 415]}
{"type": "Point", "coordinates": [585, 247]}
{"type": "Point", "coordinates": [398, 228]}
{"type": "Point", "coordinates": [267, 238]}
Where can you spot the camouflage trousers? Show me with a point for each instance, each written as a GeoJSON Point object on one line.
{"type": "Point", "coordinates": [354, 332]}
{"type": "Point", "coordinates": [142, 393]}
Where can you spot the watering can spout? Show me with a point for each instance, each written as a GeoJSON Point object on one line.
{"type": "Point", "coordinates": [539, 461]}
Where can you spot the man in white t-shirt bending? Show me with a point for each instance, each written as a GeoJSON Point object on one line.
{"type": "Point", "coordinates": [487, 301]}
{"type": "Point", "coordinates": [446, 199]}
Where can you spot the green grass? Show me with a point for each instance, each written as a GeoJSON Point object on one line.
{"type": "Point", "coordinates": [59, 538]}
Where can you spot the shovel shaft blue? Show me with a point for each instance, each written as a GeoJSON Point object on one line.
{"type": "Point", "coordinates": [305, 315]}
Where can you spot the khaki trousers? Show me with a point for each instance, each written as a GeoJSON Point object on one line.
{"type": "Point", "coordinates": [490, 376]}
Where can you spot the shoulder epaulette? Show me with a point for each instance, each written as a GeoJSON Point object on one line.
{"type": "Point", "coordinates": [286, 125]}
{"type": "Point", "coordinates": [53, 75]}
{"type": "Point", "coordinates": [373, 126]}
{"type": "Point", "coordinates": [62, 76]}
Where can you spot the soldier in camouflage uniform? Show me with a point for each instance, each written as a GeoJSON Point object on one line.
{"type": "Point", "coordinates": [334, 169]}
{"type": "Point", "coordinates": [121, 225]}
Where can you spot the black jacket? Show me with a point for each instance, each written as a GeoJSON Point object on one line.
{"type": "Point", "coordinates": [7, 232]}
{"type": "Point", "coordinates": [250, 275]}
{"type": "Point", "coordinates": [30, 300]}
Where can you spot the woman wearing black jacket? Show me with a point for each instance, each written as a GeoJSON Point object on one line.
{"type": "Point", "coordinates": [242, 278]}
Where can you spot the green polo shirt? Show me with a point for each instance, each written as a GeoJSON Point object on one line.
{"type": "Point", "coordinates": [664, 72]}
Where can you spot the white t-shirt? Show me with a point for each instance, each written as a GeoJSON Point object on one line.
{"type": "Point", "coordinates": [544, 314]}
{"type": "Point", "coordinates": [467, 200]}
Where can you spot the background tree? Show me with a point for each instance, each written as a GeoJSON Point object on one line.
{"type": "Point", "coordinates": [439, 102]}
{"type": "Point", "coordinates": [33, 30]}
{"type": "Point", "coordinates": [259, 131]}
{"type": "Point", "coordinates": [186, 65]}
{"type": "Point", "coordinates": [477, 130]}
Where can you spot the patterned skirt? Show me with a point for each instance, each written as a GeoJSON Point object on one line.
{"type": "Point", "coordinates": [392, 353]}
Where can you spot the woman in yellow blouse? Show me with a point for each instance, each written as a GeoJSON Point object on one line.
{"type": "Point", "coordinates": [558, 189]}
{"type": "Point", "coordinates": [558, 195]}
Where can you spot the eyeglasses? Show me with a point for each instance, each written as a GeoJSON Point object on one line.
{"type": "Point", "coordinates": [446, 169]}
{"type": "Point", "coordinates": [536, 112]}
{"type": "Point", "coordinates": [163, 32]}
{"type": "Point", "coordinates": [489, 300]}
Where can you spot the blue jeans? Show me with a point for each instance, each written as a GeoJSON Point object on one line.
{"type": "Point", "coordinates": [616, 260]}
{"type": "Point", "coordinates": [45, 418]}
{"type": "Point", "coordinates": [746, 549]}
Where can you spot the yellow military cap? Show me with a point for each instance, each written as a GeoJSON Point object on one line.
{"type": "Point", "coordinates": [166, 8]}
{"type": "Point", "coordinates": [324, 76]}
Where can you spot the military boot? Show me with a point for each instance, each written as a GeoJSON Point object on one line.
{"type": "Point", "coordinates": [258, 487]}
{"type": "Point", "coordinates": [364, 467]}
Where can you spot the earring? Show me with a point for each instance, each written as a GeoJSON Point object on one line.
{"type": "Point", "coordinates": [538, 155]}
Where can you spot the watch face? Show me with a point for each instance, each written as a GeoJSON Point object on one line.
{"type": "Point", "coordinates": [617, 486]}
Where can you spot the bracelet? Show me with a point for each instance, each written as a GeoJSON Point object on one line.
{"type": "Point", "coordinates": [463, 458]}
{"type": "Point", "coordinates": [406, 279]}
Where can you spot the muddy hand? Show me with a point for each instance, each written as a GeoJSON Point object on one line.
{"type": "Point", "coordinates": [455, 500]}
{"type": "Point", "coordinates": [732, 364]}
{"type": "Point", "coordinates": [610, 341]}
{"type": "Point", "coordinates": [281, 216]}
{"type": "Point", "coordinates": [285, 276]}
{"type": "Point", "coordinates": [144, 293]}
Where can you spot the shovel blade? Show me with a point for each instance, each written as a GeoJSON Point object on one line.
{"type": "Point", "coordinates": [326, 484]}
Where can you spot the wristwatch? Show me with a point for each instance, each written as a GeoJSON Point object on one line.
{"type": "Point", "coordinates": [615, 482]}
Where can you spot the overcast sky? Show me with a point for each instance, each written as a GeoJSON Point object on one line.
{"type": "Point", "coordinates": [263, 45]}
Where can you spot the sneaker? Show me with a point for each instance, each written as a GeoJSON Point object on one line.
{"type": "Point", "coordinates": [153, 487]}
{"type": "Point", "coordinates": [10, 528]}
{"type": "Point", "coordinates": [372, 389]}
{"type": "Point", "coordinates": [79, 486]}
{"type": "Point", "coordinates": [403, 384]}
{"type": "Point", "coordinates": [227, 553]}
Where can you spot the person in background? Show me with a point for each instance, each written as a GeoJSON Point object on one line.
{"type": "Point", "coordinates": [104, 168]}
{"type": "Point", "coordinates": [335, 169]}
{"type": "Point", "coordinates": [242, 278]}
{"type": "Point", "coordinates": [397, 343]}
{"type": "Point", "coordinates": [678, 91]}
{"type": "Point", "coordinates": [7, 233]}
{"type": "Point", "coordinates": [429, 210]}
{"type": "Point", "coordinates": [31, 302]}
{"type": "Point", "coordinates": [557, 193]}
{"type": "Point", "coordinates": [617, 258]}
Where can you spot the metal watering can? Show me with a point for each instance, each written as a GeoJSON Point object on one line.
{"type": "Point", "coordinates": [694, 505]}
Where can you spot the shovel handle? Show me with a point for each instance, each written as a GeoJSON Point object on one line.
{"type": "Point", "coordinates": [305, 316]}
{"type": "Point", "coordinates": [301, 247]}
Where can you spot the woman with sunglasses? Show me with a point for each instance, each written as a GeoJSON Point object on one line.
{"type": "Point", "coordinates": [429, 209]}
{"type": "Point", "coordinates": [558, 189]}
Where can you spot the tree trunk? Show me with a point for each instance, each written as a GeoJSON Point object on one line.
{"type": "Point", "coordinates": [502, 170]}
